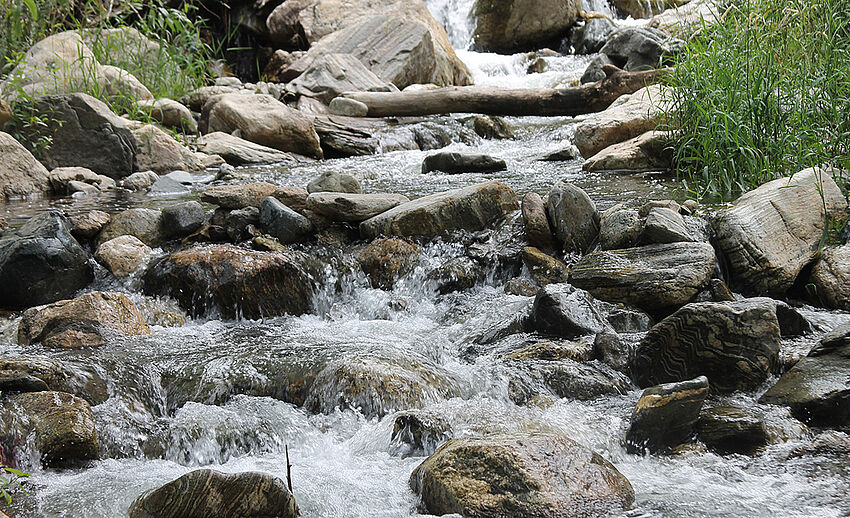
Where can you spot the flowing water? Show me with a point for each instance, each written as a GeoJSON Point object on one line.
{"type": "Point", "coordinates": [219, 393]}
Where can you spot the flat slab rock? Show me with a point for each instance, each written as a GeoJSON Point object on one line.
{"type": "Point", "coordinates": [469, 208]}
{"type": "Point", "coordinates": [652, 277]}
{"type": "Point", "coordinates": [353, 208]}
{"type": "Point", "coordinates": [451, 162]}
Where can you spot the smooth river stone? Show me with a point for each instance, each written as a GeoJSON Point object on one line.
{"type": "Point", "coordinates": [353, 208]}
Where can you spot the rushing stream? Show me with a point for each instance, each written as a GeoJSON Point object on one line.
{"type": "Point", "coordinates": [209, 393]}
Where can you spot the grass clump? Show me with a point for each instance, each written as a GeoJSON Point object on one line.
{"type": "Point", "coordinates": [762, 94]}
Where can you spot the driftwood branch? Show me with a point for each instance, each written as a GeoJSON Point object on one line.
{"type": "Point", "coordinates": [588, 98]}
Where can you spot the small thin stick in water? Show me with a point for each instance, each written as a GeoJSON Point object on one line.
{"type": "Point", "coordinates": [288, 470]}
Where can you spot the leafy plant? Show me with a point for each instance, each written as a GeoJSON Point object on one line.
{"type": "Point", "coordinates": [10, 481]}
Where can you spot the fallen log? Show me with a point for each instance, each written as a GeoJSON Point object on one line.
{"type": "Point", "coordinates": [588, 98]}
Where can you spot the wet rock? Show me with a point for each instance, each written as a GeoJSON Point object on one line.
{"type": "Point", "coordinates": [60, 179]}
{"type": "Point", "coordinates": [613, 352]}
{"type": "Point", "coordinates": [508, 26]}
{"type": "Point", "coordinates": [329, 75]}
{"type": "Point", "coordinates": [537, 229]}
{"type": "Point", "coordinates": [419, 433]}
{"type": "Point", "coordinates": [731, 430]}
{"type": "Point", "coordinates": [159, 152]}
{"type": "Point", "coordinates": [86, 226]}
{"type": "Point", "coordinates": [566, 311]}
{"type": "Point", "coordinates": [521, 287]}
{"type": "Point", "coordinates": [22, 174]}
{"type": "Point", "coordinates": [331, 181]}
{"type": "Point", "coordinates": [62, 426]}
{"type": "Point", "coordinates": [629, 116]}
{"type": "Point", "coordinates": [206, 493]}
{"type": "Point", "coordinates": [264, 120]}
{"type": "Point", "coordinates": [591, 37]}
{"type": "Point", "coordinates": [235, 281]}
{"type": "Point", "coordinates": [457, 274]}
{"type": "Point", "coordinates": [283, 223]}
{"type": "Point", "coordinates": [237, 151]}
{"type": "Point", "coordinates": [734, 344]}
{"type": "Point", "coordinates": [791, 321]}
{"type": "Point", "coordinates": [182, 219]}
{"type": "Point", "coordinates": [57, 376]}
{"type": "Point", "coordinates": [771, 233]}
{"type": "Point", "coordinates": [386, 260]}
{"type": "Point", "coordinates": [401, 43]}
{"type": "Point", "coordinates": [665, 226]}
{"type": "Point", "coordinates": [817, 389]}
{"type": "Point", "coordinates": [144, 224]}
{"type": "Point", "coordinates": [170, 114]}
{"type": "Point", "coordinates": [570, 152]}
{"type": "Point", "coordinates": [625, 318]}
{"type": "Point", "coordinates": [573, 215]}
{"type": "Point", "coordinates": [652, 277]}
{"type": "Point", "coordinates": [253, 194]}
{"type": "Point", "coordinates": [491, 127]}
{"type": "Point", "coordinates": [18, 384]}
{"type": "Point", "coordinates": [239, 223]}
{"type": "Point", "coordinates": [831, 277]}
{"type": "Point", "coordinates": [348, 107]}
{"type": "Point", "coordinates": [544, 268]}
{"type": "Point", "coordinates": [377, 387]}
{"type": "Point", "coordinates": [41, 263]}
{"type": "Point", "coordinates": [450, 162]}
{"type": "Point", "coordinates": [86, 321]}
{"type": "Point", "coordinates": [123, 255]}
{"type": "Point", "coordinates": [640, 48]}
{"type": "Point", "coordinates": [619, 228]}
{"type": "Point", "coordinates": [458, 478]}
{"type": "Point", "coordinates": [666, 415]}
{"type": "Point", "coordinates": [553, 351]}
{"type": "Point", "coordinates": [646, 152]}
{"type": "Point", "coordinates": [139, 181]}
{"type": "Point", "coordinates": [470, 208]}
{"type": "Point", "coordinates": [86, 134]}
{"type": "Point", "coordinates": [353, 208]}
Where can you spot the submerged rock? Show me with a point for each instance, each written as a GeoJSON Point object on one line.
{"type": "Point", "coordinates": [734, 344]}
{"type": "Point", "coordinates": [86, 321]}
{"type": "Point", "coordinates": [459, 478]}
{"type": "Point", "coordinates": [451, 162]}
{"type": "Point", "coordinates": [206, 493]}
{"type": "Point", "coordinates": [469, 208]}
{"type": "Point", "coordinates": [666, 415]}
{"type": "Point", "coordinates": [41, 263]}
{"type": "Point", "coordinates": [419, 433]}
{"type": "Point", "coordinates": [235, 281]}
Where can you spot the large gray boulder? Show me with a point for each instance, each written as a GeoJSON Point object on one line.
{"type": "Point", "coordinates": [238, 151]}
{"type": "Point", "coordinates": [734, 344]}
{"type": "Point", "coordinates": [459, 478]}
{"type": "Point", "coordinates": [508, 26]}
{"type": "Point", "coordinates": [353, 208]}
{"type": "Point", "coordinates": [264, 120]}
{"type": "Point", "coordinates": [87, 134]}
{"type": "Point", "coordinates": [817, 388]}
{"type": "Point", "coordinates": [400, 42]}
{"type": "Point", "coordinates": [469, 208]}
{"type": "Point", "coordinates": [330, 75]}
{"type": "Point", "coordinates": [573, 216]}
{"type": "Point", "coordinates": [160, 153]}
{"type": "Point", "coordinates": [21, 174]}
{"type": "Point", "coordinates": [283, 223]}
{"type": "Point", "coordinates": [640, 48]}
{"type": "Point", "coordinates": [831, 277]}
{"type": "Point", "coordinates": [652, 277]}
{"type": "Point", "coordinates": [235, 281]}
{"type": "Point", "coordinates": [771, 233]}
{"type": "Point", "coordinates": [206, 493]}
{"type": "Point", "coordinates": [666, 415]}
{"type": "Point", "coordinates": [566, 311]}
{"type": "Point", "coordinates": [41, 263]}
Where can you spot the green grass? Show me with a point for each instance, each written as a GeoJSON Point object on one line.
{"type": "Point", "coordinates": [762, 94]}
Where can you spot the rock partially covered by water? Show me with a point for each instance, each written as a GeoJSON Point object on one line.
{"type": "Point", "coordinates": [144, 224]}
{"type": "Point", "coordinates": [726, 429]}
{"type": "Point", "coordinates": [123, 255]}
{"type": "Point", "coordinates": [331, 181]}
{"type": "Point", "coordinates": [507, 26]}
{"type": "Point", "coordinates": [62, 425]}
{"type": "Point", "coordinates": [207, 493]}
{"type": "Point", "coordinates": [817, 388]}
{"type": "Point", "coordinates": [652, 277]}
{"type": "Point", "coordinates": [57, 376]}
{"type": "Point", "coordinates": [469, 208]}
{"type": "Point", "coordinates": [235, 281]}
{"type": "Point", "coordinates": [665, 415]}
{"type": "Point", "coordinates": [544, 268]}
{"type": "Point", "coordinates": [87, 134]}
{"type": "Point", "coordinates": [573, 215]}
{"type": "Point", "coordinates": [22, 174]}
{"type": "Point", "coordinates": [452, 162]}
{"type": "Point", "coordinates": [566, 311]}
{"type": "Point", "coordinates": [41, 263]}
{"type": "Point", "coordinates": [86, 321]}
{"type": "Point", "coordinates": [459, 478]}
{"type": "Point", "coordinates": [734, 344]}
{"type": "Point", "coordinates": [771, 233]}
{"type": "Point", "coordinates": [264, 120]}
{"type": "Point", "coordinates": [385, 260]}
{"type": "Point", "coordinates": [353, 208]}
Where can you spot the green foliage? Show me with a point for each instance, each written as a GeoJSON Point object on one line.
{"type": "Point", "coordinates": [763, 94]}
{"type": "Point", "coordinates": [10, 481]}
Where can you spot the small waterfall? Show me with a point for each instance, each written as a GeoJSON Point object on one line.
{"type": "Point", "coordinates": [456, 17]}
